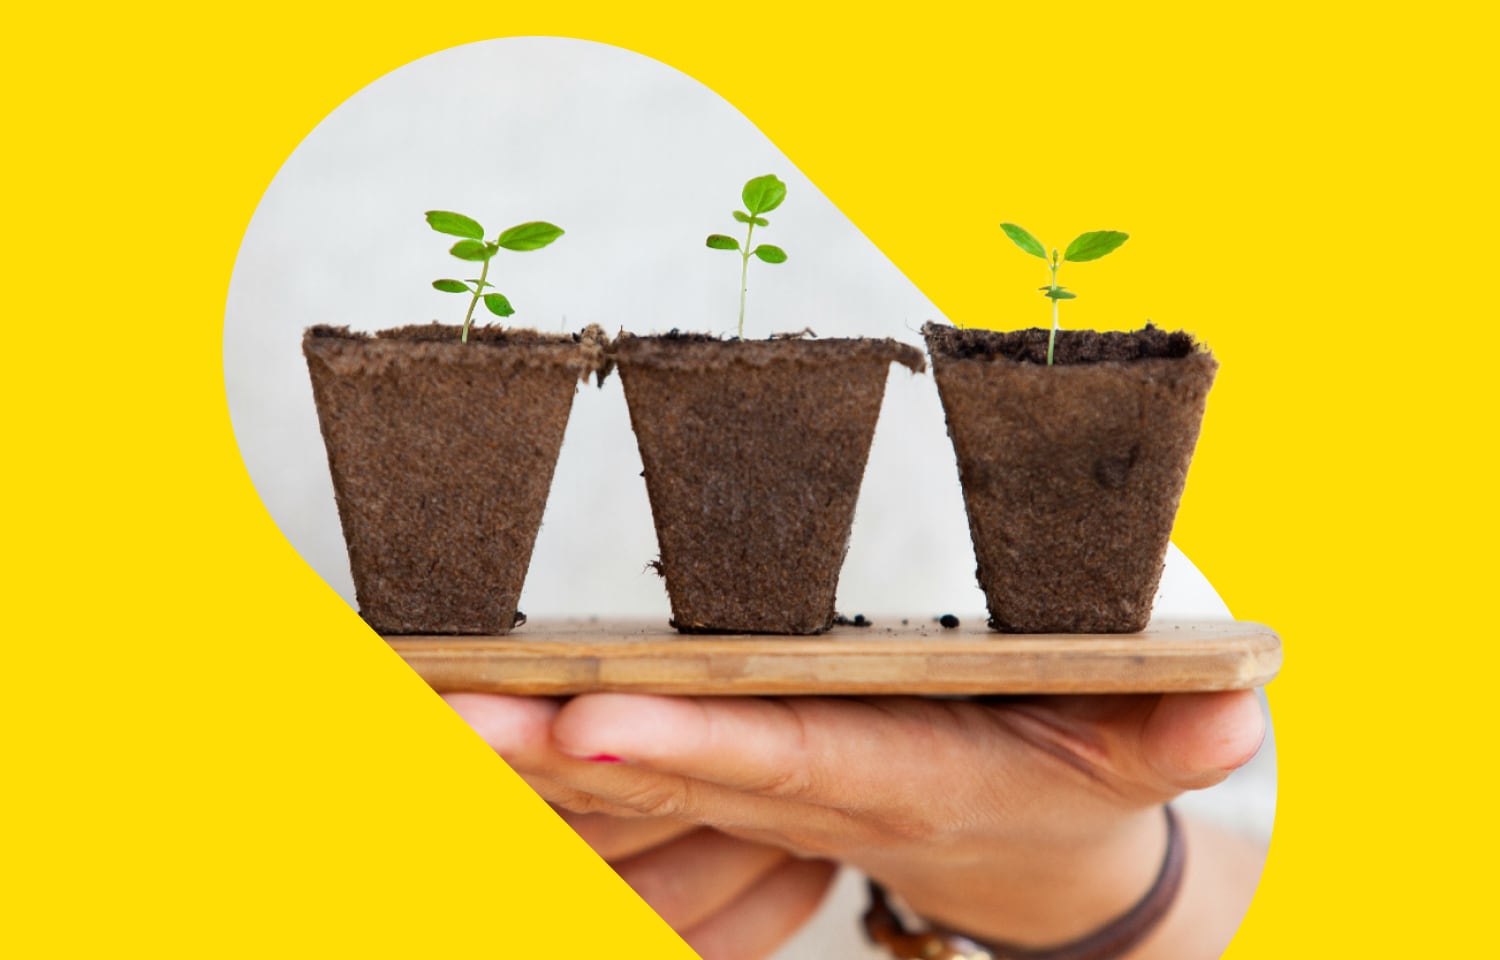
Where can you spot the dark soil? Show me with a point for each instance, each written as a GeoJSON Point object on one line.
{"type": "Point", "coordinates": [1072, 474]}
{"type": "Point", "coordinates": [948, 621]}
{"type": "Point", "coordinates": [1073, 346]}
{"type": "Point", "coordinates": [591, 341]}
{"type": "Point", "coordinates": [441, 455]}
{"type": "Point", "coordinates": [675, 351]}
{"type": "Point", "coordinates": [754, 453]}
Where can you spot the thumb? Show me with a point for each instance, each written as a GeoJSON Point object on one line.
{"type": "Point", "coordinates": [1195, 740]}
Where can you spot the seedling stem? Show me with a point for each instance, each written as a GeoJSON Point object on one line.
{"type": "Point", "coordinates": [1087, 246]}
{"type": "Point", "coordinates": [1052, 339]}
{"type": "Point", "coordinates": [745, 276]}
{"type": "Point", "coordinates": [761, 195]}
{"type": "Point", "coordinates": [473, 248]}
{"type": "Point", "coordinates": [484, 272]}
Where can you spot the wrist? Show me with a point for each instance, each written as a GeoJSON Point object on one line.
{"type": "Point", "coordinates": [1043, 894]}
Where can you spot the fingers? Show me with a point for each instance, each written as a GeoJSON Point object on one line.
{"type": "Point", "coordinates": [897, 770]}
{"type": "Point", "coordinates": [522, 730]}
{"type": "Point", "coordinates": [766, 915]}
{"type": "Point", "coordinates": [741, 898]}
{"type": "Point", "coordinates": [843, 754]}
{"type": "Point", "coordinates": [737, 899]}
{"type": "Point", "coordinates": [861, 755]}
{"type": "Point", "coordinates": [1146, 748]}
{"type": "Point", "coordinates": [865, 779]}
{"type": "Point", "coordinates": [519, 730]}
{"type": "Point", "coordinates": [690, 879]}
{"type": "Point", "coordinates": [616, 838]}
{"type": "Point", "coordinates": [1195, 740]}
{"type": "Point", "coordinates": [511, 725]}
{"type": "Point", "coordinates": [740, 743]}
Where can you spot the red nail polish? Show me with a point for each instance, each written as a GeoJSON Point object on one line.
{"type": "Point", "coordinates": [604, 758]}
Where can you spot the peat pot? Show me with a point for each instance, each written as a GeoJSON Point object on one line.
{"type": "Point", "coordinates": [1071, 473]}
{"type": "Point", "coordinates": [754, 452]}
{"type": "Point", "coordinates": [442, 455]}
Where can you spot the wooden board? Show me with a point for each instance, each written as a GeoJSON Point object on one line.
{"type": "Point", "coordinates": [916, 656]}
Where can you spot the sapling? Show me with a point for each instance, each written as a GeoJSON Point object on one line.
{"type": "Point", "coordinates": [473, 248]}
{"type": "Point", "coordinates": [761, 195]}
{"type": "Point", "coordinates": [1087, 246]}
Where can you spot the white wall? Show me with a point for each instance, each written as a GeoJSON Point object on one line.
{"type": "Point", "coordinates": [638, 163]}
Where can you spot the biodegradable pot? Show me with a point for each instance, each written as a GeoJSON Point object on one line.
{"type": "Point", "coordinates": [1071, 473]}
{"type": "Point", "coordinates": [442, 455]}
{"type": "Point", "coordinates": [754, 452]}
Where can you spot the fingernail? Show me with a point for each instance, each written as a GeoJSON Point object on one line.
{"type": "Point", "coordinates": [604, 758]}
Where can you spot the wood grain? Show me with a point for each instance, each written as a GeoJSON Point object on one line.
{"type": "Point", "coordinates": [916, 656]}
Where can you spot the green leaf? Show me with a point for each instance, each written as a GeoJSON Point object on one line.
{"type": "Point", "coordinates": [470, 250]}
{"type": "Point", "coordinates": [763, 194]}
{"type": "Point", "coordinates": [454, 224]}
{"type": "Point", "coordinates": [1094, 244]}
{"type": "Point", "coordinates": [478, 282]}
{"type": "Point", "coordinates": [742, 216]}
{"type": "Point", "coordinates": [498, 305]}
{"type": "Point", "coordinates": [1024, 240]}
{"type": "Point", "coordinates": [770, 254]}
{"type": "Point", "coordinates": [1057, 293]}
{"type": "Point", "coordinates": [530, 236]}
{"type": "Point", "coordinates": [720, 242]}
{"type": "Point", "coordinates": [450, 286]}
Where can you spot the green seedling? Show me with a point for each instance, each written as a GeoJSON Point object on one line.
{"type": "Point", "coordinates": [473, 248]}
{"type": "Point", "coordinates": [1088, 246]}
{"type": "Point", "coordinates": [761, 195]}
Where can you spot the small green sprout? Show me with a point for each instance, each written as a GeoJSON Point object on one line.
{"type": "Point", "coordinates": [1088, 246]}
{"type": "Point", "coordinates": [761, 195]}
{"type": "Point", "coordinates": [475, 249]}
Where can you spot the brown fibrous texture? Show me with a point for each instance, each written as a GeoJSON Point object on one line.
{"type": "Point", "coordinates": [1072, 473]}
{"type": "Point", "coordinates": [441, 455]}
{"type": "Point", "coordinates": [754, 452]}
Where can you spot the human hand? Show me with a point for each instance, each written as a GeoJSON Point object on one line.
{"type": "Point", "coordinates": [1031, 820]}
{"type": "Point", "coordinates": [729, 898]}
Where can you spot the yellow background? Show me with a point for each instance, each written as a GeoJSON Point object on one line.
{"type": "Point", "coordinates": [210, 756]}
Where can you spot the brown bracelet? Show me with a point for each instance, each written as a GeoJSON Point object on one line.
{"type": "Point", "coordinates": [1109, 942]}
